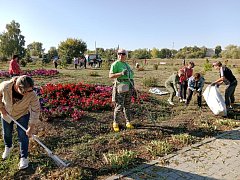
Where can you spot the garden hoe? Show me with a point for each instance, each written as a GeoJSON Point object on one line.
{"type": "Point", "coordinates": [55, 158]}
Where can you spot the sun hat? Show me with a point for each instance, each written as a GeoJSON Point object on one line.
{"type": "Point", "coordinates": [122, 51]}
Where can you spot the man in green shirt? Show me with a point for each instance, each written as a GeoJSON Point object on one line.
{"type": "Point", "coordinates": [122, 74]}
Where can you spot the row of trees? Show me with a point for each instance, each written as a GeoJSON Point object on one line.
{"type": "Point", "coordinates": [13, 42]}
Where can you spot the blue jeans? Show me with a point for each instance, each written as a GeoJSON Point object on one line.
{"type": "Point", "coordinates": [22, 137]}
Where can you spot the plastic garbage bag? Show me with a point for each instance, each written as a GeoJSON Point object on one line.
{"type": "Point", "coordinates": [215, 100]}
{"type": "Point", "coordinates": [157, 91]}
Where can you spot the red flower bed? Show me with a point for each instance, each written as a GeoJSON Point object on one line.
{"type": "Point", "coordinates": [36, 72]}
{"type": "Point", "coordinates": [73, 100]}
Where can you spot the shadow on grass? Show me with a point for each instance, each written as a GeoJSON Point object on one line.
{"type": "Point", "coordinates": [26, 173]}
{"type": "Point", "coordinates": [198, 132]}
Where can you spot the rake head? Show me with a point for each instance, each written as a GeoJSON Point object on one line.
{"type": "Point", "coordinates": [60, 163]}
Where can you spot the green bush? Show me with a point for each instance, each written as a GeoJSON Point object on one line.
{"type": "Point", "coordinates": [121, 159]}
{"type": "Point", "coordinates": [3, 58]}
{"type": "Point", "coordinates": [94, 73]}
{"type": "Point", "coordinates": [207, 66]}
{"type": "Point", "coordinates": [150, 81]}
{"type": "Point", "coordinates": [183, 138]}
{"type": "Point", "coordinates": [159, 148]}
{"type": "Point", "coordinates": [106, 65]}
{"type": "Point", "coordinates": [155, 66]}
{"type": "Point", "coordinates": [23, 63]}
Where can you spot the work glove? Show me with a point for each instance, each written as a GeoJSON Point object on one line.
{"type": "Point", "coordinates": [124, 72]}
{"type": "Point", "coordinates": [198, 90]}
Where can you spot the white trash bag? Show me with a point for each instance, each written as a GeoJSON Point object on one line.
{"type": "Point", "coordinates": [157, 91]}
{"type": "Point", "coordinates": [215, 100]}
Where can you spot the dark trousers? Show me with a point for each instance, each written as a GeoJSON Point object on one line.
{"type": "Point", "coordinates": [183, 89]}
{"type": "Point", "coordinates": [199, 97]}
{"type": "Point", "coordinates": [22, 137]}
{"type": "Point", "coordinates": [55, 64]}
{"type": "Point", "coordinates": [229, 93]}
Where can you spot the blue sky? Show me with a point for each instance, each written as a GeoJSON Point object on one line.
{"type": "Point", "coordinates": [131, 24]}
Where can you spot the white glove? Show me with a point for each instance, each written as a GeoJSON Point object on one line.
{"type": "Point", "coordinates": [177, 94]}
{"type": "Point", "coordinates": [198, 90]}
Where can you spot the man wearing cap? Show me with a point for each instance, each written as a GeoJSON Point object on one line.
{"type": "Point", "coordinates": [227, 77]}
{"type": "Point", "coordinates": [18, 99]}
{"type": "Point", "coordinates": [122, 89]}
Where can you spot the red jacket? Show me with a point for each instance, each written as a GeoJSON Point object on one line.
{"type": "Point", "coordinates": [187, 74]}
{"type": "Point", "coordinates": [14, 68]}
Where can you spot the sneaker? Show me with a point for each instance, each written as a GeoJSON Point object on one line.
{"type": "Point", "coordinates": [6, 152]}
{"type": "Point", "coordinates": [129, 126]}
{"type": "Point", "coordinates": [115, 127]}
{"type": "Point", "coordinates": [23, 164]}
{"type": "Point", "coordinates": [180, 100]}
{"type": "Point", "coordinates": [184, 100]}
{"type": "Point", "coordinates": [171, 103]}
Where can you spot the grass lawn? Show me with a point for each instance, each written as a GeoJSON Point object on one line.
{"type": "Point", "coordinates": [94, 150]}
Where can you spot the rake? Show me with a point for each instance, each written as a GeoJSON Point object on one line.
{"type": "Point", "coordinates": [56, 159]}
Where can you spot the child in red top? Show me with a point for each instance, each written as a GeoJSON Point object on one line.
{"type": "Point", "coordinates": [188, 72]}
{"type": "Point", "coordinates": [14, 68]}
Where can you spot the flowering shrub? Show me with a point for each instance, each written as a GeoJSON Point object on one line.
{"type": "Point", "coordinates": [4, 74]}
{"type": "Point", "coordinates": [36, 72]}
{"type": "Point", "coordinates": [73, 100]}
{"type": "Point", "coordinates": [40, 72]}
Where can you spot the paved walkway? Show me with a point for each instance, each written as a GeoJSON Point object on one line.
{"type": "Point", "coordinates": [213, 158]}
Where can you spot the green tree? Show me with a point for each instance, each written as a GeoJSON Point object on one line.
{"type": "Point", "coordinates": [218, 50]}
{"type": "Point", "coordinates": [231, 51]}
{"type": "Point", "coordinates": [35, 48]}
{"type": "Point", "coordinates": [100, 51]}
{"type": "Point", "coordinates": [71, 48]}
{"type": "Point", "coordinates": [192, 52]}
{"type": "Point", "coordinates": [155, 52]}
{"type": "Point", "coordinates": [165, 53]}
{"type": "Point", "coordinates": [141, 54]}
{"type": "Point", "coordinates": [110, 54]}
{"type": "Point", "coordinates": [173, 52]}
{"type": "Point", "coordinates": [11, 41]}
{"type": "Point", "coordinates": [52, 52]}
